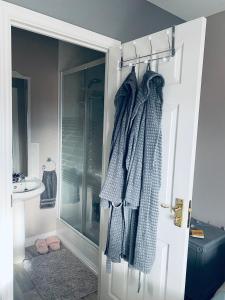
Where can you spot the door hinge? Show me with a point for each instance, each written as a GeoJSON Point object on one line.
{"type": "Point", "coordinates": [189, 214]}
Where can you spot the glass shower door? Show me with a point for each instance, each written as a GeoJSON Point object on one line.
{"type": "Point", "coordinates": [81, 161]}
{"type": "Point", "coordinates": [94, 135]}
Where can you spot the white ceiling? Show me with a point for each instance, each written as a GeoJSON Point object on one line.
{"type": "Point", "coordinates": [191, 9]}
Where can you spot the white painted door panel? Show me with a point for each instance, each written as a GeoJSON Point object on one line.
{"type": "Point", "coordinates": [182, 75]}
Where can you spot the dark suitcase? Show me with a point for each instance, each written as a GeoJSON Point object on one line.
{"type": "Point", "coordinates": [206, 262]}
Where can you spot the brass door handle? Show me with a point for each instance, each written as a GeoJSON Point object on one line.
{"type": "Point", "coordinates": [178, 212]}
{"type": "Point", "coordinates": [177, 209]}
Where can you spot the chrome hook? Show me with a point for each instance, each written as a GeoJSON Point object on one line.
{"type": "Point", "coordinates": [171, 41]}
{"type": "Point", "coordinates": [168, 38]}
{"type": "Point", "coordinates": [150, 43]}
{"type": "Point", "coordinates": [121, 55]}
{"type": "Point", "coordinates": [150, 56]}
{"type": "Point", "coordinates": [135, 48]}
{"type": "Point", "coordinates": [135, 51]}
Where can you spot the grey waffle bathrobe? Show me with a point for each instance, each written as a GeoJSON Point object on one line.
{"type": "Point", "coordinates": [133, 199]}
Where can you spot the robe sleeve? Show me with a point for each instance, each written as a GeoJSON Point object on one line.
{"type": "Point", "coordinates": [134, 162]}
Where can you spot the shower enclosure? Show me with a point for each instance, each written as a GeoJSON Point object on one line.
{"type": "Point", "coordinates": [81, 147]}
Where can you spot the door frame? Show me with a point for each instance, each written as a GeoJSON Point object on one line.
{"type": "Point", "coordinates": [13, 15]}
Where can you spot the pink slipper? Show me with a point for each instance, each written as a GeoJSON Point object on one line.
{"type": "Point", "coordinates": [53, 242]}
{"type": "Point", "coordinates": [41, 246]}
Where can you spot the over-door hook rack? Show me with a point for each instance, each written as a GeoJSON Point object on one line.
{"type": "Point", "coordinates": [170, 53]}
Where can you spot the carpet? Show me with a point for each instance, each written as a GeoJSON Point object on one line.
{"type": "Point", "coordinates": [60, 275]}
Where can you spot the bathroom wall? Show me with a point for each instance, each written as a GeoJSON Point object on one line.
{"type": "Point", "coordinates": [36, 56]}
{"type": "Point", "coordinates": [120, 19]}
{"type": "Point", "coordinates": [209, 187]}
{"type": "Point", "coordinates": [71, 55]}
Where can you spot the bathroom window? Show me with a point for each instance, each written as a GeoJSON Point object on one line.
{"type": "Point", "coordinates": [81, 151]}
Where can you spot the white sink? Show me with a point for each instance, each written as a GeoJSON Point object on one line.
{"type": "Point", "coordinates": [27, 189]}
{"type": "Point", "coordinates": [22, 191]}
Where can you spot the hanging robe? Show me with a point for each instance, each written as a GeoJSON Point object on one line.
{"type": "Point", "coordinates": [112, 194]}
{"type": "Point", "coordinates": [143, 162]}
{"type": "Point", "coordinates": [113, 188]}
{"type": "Point", "coordinates": [134, 175]}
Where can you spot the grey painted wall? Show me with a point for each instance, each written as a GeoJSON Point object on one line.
{"type": "Point", "coordinates": [209, 184]}
{"type": "Point", "coordinates": [120, 19]}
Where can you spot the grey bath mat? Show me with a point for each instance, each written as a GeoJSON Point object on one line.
{"type": "Point", "coordinates": [60, 275]}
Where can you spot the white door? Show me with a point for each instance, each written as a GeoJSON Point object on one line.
{"type": "Point", "coordinates": [182, 76]}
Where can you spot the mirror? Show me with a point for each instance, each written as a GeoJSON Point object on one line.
{"type": "Point", "coordinates": [19, 125]}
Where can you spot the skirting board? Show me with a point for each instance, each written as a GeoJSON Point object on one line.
{"type": "Point", "coordinates": [31, 240]}
{"type": "Point", "coordinates": [77, 253]}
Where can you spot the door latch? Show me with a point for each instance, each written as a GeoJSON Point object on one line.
{"type": "Point", "coordinates": [178, 212]}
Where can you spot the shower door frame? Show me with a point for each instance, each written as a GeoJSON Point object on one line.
{"type": "Point", "coordinates": [73, 70]}
{"type": "Point", "coordinates": [17, 16]}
